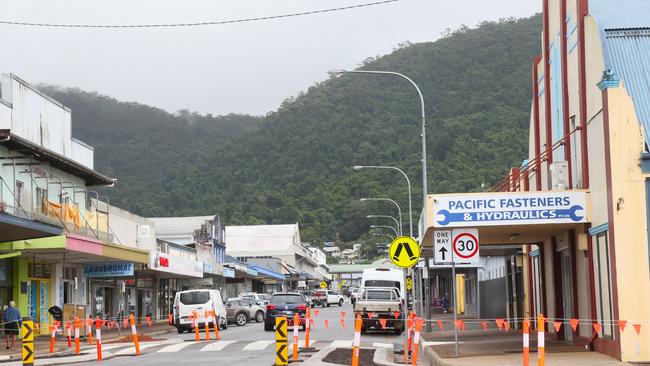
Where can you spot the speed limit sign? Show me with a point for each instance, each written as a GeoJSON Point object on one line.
{"type": "Point", "coordinates": [465, 246]}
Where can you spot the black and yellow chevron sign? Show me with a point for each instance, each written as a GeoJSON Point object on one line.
{"type": "Point", "coordinates": [281, 346]}
{"type": "Point", "coordinates": [28, 342]}
{"type": "Point", "coordinates": [404, 252]}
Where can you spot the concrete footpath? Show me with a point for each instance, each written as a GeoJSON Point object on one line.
{"type": "Point", "coordinates": [42, 342]}
{"type": "Point", "coordinates": [500, 348]}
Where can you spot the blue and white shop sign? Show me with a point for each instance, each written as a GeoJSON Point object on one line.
{"type": "Point", "coordinates": [110, 269]}
{"type": "Point", "coordinates": [509, 208]}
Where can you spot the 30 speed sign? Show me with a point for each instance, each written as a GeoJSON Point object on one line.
{"type": "Point", "coordinates": [465, 246]}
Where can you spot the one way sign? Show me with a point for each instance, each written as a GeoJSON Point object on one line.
{"type": "Point", "coordinates": [442, 246]}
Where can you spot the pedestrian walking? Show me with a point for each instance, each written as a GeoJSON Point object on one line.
{"type": "Point", "coordinates": [13, 321]}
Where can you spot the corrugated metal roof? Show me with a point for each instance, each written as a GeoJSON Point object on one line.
{"type": "Point", "coordinates": [627, 55]}
{"type": "Point", "coordinates": [621, 14]}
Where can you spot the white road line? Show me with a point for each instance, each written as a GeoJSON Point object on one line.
{"type": "Point", "coordinates": [257, 345]}
{"type": "Point", "coordinates": [131, 350]}
{"type": "Point", "coordinates": [217, 346]}
{"type": "Point", "coordinates": [341, 344]}
{"type": "Point", "coordinates": [382, 345]}
{"type": "Point", "coordinates": [175, 347]}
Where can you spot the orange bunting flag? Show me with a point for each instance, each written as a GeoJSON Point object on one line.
{"type": "Point", "coordinates": [312, 323]}
{"type": "Point", "coordinates": [326, 323]}
{"type": "Point", "coordinates": [621, 324]}
{"type": "Point", "coordinates": [460, 324]}
{"type": "Point", "coordinates": [315, 312]}
{"type": "Point", "coordinates": [383, 323]}
{"type": "Point", "coordinates": [371, 315]}
{"type": "Point", "coordinates": [500, 323]}
{"type": "Point", "coordinates": [103, 322]}
{"type": "Point", "coordinates": [597, 327]}
{"type": "Point", "coordinates": [148, 320]}
{"type": "Point", "coordinates": [343, 314]}
{"type": "Point", "coordinates": [507, 325]}
{"type": "Point", "coordinates": [396, 314]}
{"type": "Point", "coordinates": [574, 324]}
{"type": "Point", "coordinates": [440, 325]}
{"type": "Point", "coordinates": [637, 328]}
{"type": "Point", "coordinates": [343, 323]}
{"type": "Point", "coordinates": [484, 325]}
{"type": "Point", "coordinates": [125, 323]}
{"type": "Point", "coordinates": [557, 326]}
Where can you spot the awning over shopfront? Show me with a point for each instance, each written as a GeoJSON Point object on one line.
{"type": "Point", "coordinates": [506, 217]}
{"type": "Point", "coordinates": [268, 273]}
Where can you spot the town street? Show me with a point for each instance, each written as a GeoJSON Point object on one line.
{"type": "Point", "coordinates": [247, 345]}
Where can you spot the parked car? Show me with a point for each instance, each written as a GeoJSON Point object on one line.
{"type": "Point", "coordinates": [382, 302]}
{"type": "Point", "coordinates": [261, 299]}
{"type": "Point", "coordinates": [239, 311]}
{"type": "Point", "coordinates": [285, 304]}
{"type": "Point", "coordinates": [308, 297]}
{"type": "Point", "coordinates": [186, 302]}
{"type": "Point", "coordinates": [354, 294]}
{"type": "Point", "coordinates": [257, 310]}
{"type": "Point", "coordinates": [326, 298]}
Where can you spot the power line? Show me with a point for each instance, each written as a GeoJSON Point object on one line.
{"type": "Point", "coordinates": [197, 24]}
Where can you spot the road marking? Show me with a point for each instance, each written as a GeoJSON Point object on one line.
{"type": "Point", "coordinates": [131, 350]}
{"type": "Point", "coordinates": [341, 344]}
{"type": "Point", "coordinates": [433, 343]}
{"type": "Point", "coordinates": [257, 345]}
{"type": "Point", "coordinates": [382, 345]}
{"type": "Point", "coordinates": [217, 346]}
{"type": "Point", "coordinates": [175, 347]}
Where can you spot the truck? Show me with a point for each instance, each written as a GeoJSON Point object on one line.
{"type": "Point", "coordinates": [326, 298]}
{"type": "Point", "coordinates": [376, 303]}
{"type": "Point", "coordinates": [384, 277]}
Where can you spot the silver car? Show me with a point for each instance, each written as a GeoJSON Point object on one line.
{"type": "Point", "coordinates": [240, 311]}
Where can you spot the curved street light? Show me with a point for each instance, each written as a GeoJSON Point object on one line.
{"type": "Point", "coordinates": [385, 227]}
{"type": "Point", "coordinates": [408, 183]}
{"type": "Point", "coordinates": [383, 216]}
{"type": "Point", "coordinates": [382, 234]}
{"type": "Point", "coordinates": [399, 209]}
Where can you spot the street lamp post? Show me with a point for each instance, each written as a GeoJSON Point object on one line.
{"type": "Point", "coordinates": [399, 209]}
{"type": "Point", "coordinates": [422, 111]}
{"type": "Point", "coordinates": [408, 182]}
{"type": "Point", "coordinates": [385, 227]}
{"type": "Point", "coordinates": [382, 234]}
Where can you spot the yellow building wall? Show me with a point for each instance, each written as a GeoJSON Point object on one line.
{"type": "Point", "coordinates": [630, 225]}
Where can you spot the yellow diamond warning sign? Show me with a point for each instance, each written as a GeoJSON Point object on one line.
{"type": "Point", "coordinates": [404, 252]}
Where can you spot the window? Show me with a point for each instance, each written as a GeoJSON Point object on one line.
{"type": "Point", "coordinates": [603, 284]}
{"type": "Point", "coordinates": [38, 270]}
{"type": "Point", "coordinates": [194, 297]}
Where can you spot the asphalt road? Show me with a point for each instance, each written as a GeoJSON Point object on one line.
{"type": "Point", "coordinates": [246, 345]}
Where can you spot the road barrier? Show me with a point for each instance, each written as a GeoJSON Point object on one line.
{"type": "Point", "coordinates": [195, 324]}
{"type": "Point", "coordinates": [134, 334]}
{"type": "Point", "coordinates": [77, 341]}
{"type": "Point", "coordinates": [526, 342]}
{"type": "Point", "coordinates": [28, 343]}
{"type": "Point", "coordinates": [69, 331]}
{"type": "Point", "coordinates": [98, 334]}
{"type": "Point", "coordinates": [206, 322]}
{"type": "Point", "coordinates": [540, 340]}
{"type": "Point", "coordinates": [281, 346]}
{"type": "Point", "coordinates": [307, 327]}
{"type": "Point", "coordinates": [216, 320]}
{"type": "Point", "coordinates": [356, 343]}
{"type": "Point", "coordinates": [52, 338]}
{"type": "Point", "coordinates": [89, 331]}
{"type": "Point", "coordinates": [416, 341]}
{"type": "Point", "coordinates": [296, 326]}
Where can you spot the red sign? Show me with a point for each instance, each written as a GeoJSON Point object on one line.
{"type": "Point", "coordinates": [163, 262]}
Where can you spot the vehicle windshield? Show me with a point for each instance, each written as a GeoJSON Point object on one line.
{"type": "Point", "coordinates": [287, 299]}
{"type": "Point", "coordinates": [194, 297]}
{"type": "Point", "coordinates": [382, 283]}
{"type": "Point", "coordinates": [378, 295]}
{"type": "Point", "coordinates": [265, 297]}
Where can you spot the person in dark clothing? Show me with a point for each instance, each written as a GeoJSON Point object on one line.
{"type": "Point", "coordinates": [12, 321]}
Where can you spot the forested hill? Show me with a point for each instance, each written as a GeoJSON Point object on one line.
{"type": "Point", "coordinates": [294, 165]}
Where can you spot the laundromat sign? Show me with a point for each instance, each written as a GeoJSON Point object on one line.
{"type": "Point", "coordinates": [509, 208]}
{"type": "Point", "coordinates": [116, 269]}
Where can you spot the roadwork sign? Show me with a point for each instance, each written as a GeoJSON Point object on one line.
{"type": "Point", "coordinates": [281, 346]}
{"type": "Point", "coordinates": [465, 246]}
{"type": "Point", "coordinates": [404, 252]}
{"type": "Point", "coordinates": [28, 342]}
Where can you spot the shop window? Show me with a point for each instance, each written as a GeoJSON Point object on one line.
{"type": "Point", "coordinates": [603, 284]}
{"type": "Point", "coordinates": [39, 270]}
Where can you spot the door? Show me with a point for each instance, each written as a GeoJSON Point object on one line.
{"type": "Point", "coordinates": [567, 292]}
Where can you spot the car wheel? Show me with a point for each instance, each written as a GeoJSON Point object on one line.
{"type": "Point", "coordinates": [241, 319]}
{"type": "Point", "coordinates": [341, 302]}
{"type": "Point", "coordinates": [259, 316]}
{"type": "Point", "coordinates": [268, 326]}
{"type": "Point", "coordinates": [180, 330]}
{"type": "Point", "coordinates": [328, 305]}
{"type": "Point", "coordinates": [224, 325]}
{"type": "Point", "coordinates": [397, 331]}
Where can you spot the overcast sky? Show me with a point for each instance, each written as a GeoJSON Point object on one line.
{"type": "Point", "coordinates": [241, 68]}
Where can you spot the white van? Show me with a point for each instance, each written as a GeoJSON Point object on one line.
{"type": "Point", "coordinates": [384, 277]}
{"type": "Point", "coordinates": [186, 302]}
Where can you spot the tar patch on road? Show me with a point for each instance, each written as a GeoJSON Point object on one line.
{"type": "Point", "coordinates": [343, 356]}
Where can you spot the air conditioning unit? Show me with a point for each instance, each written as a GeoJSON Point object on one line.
{"type": "Point", "coordinates": [559, 175]}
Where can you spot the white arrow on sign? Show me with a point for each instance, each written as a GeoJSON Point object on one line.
{"type": "Point", "coordinates": [465, 245]}
{"type": "Point", "coordinates": [442, 246]}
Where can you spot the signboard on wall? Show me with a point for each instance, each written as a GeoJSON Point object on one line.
{"type": "Point", "coordinates": [509, 208]}
{"type": "Point", "coordinates": [111, 269]}
{"type": "Point", "coordinates": [164, 262]}
{"type": "Point", "coordinates": [228, 272]}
